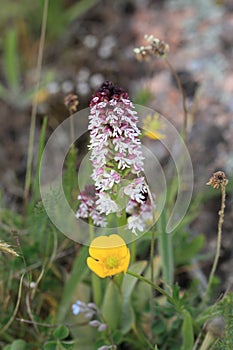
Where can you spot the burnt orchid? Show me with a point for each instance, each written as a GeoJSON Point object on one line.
{"type": "Point", "coordinates": [114, 136]}
{"type": "Point", "coordinates": [117, 159]}
{"type": "Point", "coordinates": [88, 208]}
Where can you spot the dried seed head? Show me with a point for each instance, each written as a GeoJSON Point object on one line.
{"type": "Point", "coordinates": [71, 102]}
{"type": "Point", "coordinates": [157, 47]}
{"type": "Point", "coordinates": [216, 327]}
{"type": "Point", "coordinates": [218, 179]}
{"type": "Point", "coordinates": [143, 53]}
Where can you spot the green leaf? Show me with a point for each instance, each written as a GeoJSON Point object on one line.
{"type": "Point", "coordinates": [111, 308]}
{"type": "Point", "coordinates": [84, 173]}
{"type": "Point", "coordinates": [61, 332]}
{"type": "Point", "coordinates": [187, 332]}
{"type": "Point", "coordinates": [166, 250]}
{"type": "Point", "coordinates": [144, 290]}
{"type": "Point", "coordinates": [67, 345]}
{"type": "Point", "coordinates": [57, 345]}
{"type": "Point", "coordinates": [129, 282]}
{"type": "Point", "coordinates": [176, 292]}
{"type": "Point", "coordinates": [186, 249]}
{"type": "Point", "coordinates": [50, 345]}
{"type": "Point", "coordinates": [159, 327]}
{"type": "Point", "coordinates": [79, 8]}
{"type": "Point", "coordinates": [97, 289]}
{"type": "Point", "coordinates": [11, 59]}
{"type": "Point", "coordinates": [78, 272]}
{"type": "Point", "coordinates": [128, 318]}
{"type": "Point", "coordinates": [117, 337]}
{"type": "Point", "coordinates": [128, 285]}
{"type": "Point", "coordinates": [19, 344]}
{"type": "Point", "coordinates": [143, 97]}
{"type": "Point", "coordinates": [70, 180]}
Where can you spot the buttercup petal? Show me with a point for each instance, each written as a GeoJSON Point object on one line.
{"type": "Point", "coordinates": [102, 246]}
{"type": "Point", "coordinates": [112, 241]}
{"type": "Point", "coordinates": [96, 267]}
{"type": "Point", "coordinates": [109, 256]}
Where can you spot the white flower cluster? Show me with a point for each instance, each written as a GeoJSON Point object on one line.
{"type": "Point", "coordinates": [114, 141]}
{"type": "Point", "coordinates": [117, 158]}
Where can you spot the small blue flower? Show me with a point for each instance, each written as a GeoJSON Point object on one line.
{"type": "Point", "coordinates": [76, 308]}
{"type": "Point", "coordinates": [88, 309]}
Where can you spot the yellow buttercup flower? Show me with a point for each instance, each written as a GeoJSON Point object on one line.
{"type": "Point", "coordinates": [109, 256]}
{"type": "Point", "coordinates": [152, 124]}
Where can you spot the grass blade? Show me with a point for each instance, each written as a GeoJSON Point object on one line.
{"type": "Point", "coordinates": [78, 272]}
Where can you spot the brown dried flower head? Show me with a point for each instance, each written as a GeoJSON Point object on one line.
{"type": "Point", "coordinates": [71, 102]}
{"type": "Point", "coordinates": [143, 53]}
{"type": "Point", "coordinates": [216, 327]}
{"type": "Point", "coordinates": [157, 47]}
{"type": "Point", "coordinates": [218, 179]}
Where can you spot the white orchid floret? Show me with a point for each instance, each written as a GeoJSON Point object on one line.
{"type": "Point", "coordinates": [135, 224]}
{"type": "Point", "coordinates": [136, 190]}
{"type": "Point", "coordinates": [105, 204]}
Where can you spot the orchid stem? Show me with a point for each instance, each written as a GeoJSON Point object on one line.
{"type": "Point", "coordinates": [95, 281]}
{"type": "Point", "coordinates": [152, 245]}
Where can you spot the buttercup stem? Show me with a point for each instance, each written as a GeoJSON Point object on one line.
{"type": "Point", "coordinates": [160, 290]}
{"type": "Point", "coordinates": [219, 239]}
